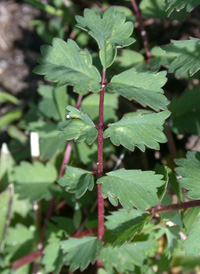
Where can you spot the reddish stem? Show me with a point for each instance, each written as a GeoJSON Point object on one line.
{"type": "Point", "coordinates": [184, 205]}
{"type": "Point", "coordinates": [85, 233]}
{"type": "Point", "coordinates": [100, 234]}
{"type": "Point", "coordinates": [142, 30]}
{"type": "Point", "coordinates": [27, 259]}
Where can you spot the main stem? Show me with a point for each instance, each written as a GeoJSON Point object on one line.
{"type": "Point", "coordinates": [100, 234]}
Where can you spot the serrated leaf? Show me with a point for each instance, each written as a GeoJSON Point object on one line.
{"type": "Point", "coordinates": [181, 4]}
{"type": "Point", "coordinates": [160, 58]}
{"type": "Point", "coordinates": [122, 226]}
{"type": "Point", "coordinates": [52, 256]}
{"type": "Point", "coordinates": [80, 252]}
{"type": "Point", "coordinates": [66, 64]}
{"type": "Point", "coordinates": [187, 56]}
{"type": "Point", "coordinates": [144, 87]}
{"type": "Point", "coordinates": [189, 170]}
{"type": "Point", "coordinates": [138, 130]}
{"type": "Point", "coordinates": [77, 180]}
{"type": "Point", "coordinates": [131, 187]}
{"type": "Point", "coordinates": [191, 244]}
{"type": "Point", "coordinates": [20, 234]}
{"type": "Point", "coordinates": [78, 127]}
{"type": "Point", "coordinates": [34, 181]}
{"type": "Point", "coordinates": [124, 258]}
{"type": "Point", "coordinates": [110, 31]}
{"type": "Point", "coordinates": [90, 105]}
{"type": "Point", "coordinates": [186, 112]}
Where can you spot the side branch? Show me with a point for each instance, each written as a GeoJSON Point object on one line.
{"type": "Point", "coordinates": [142, 30]}
{"type": "Point", "coordinates": [184, 205]}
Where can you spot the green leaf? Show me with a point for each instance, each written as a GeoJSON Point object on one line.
{"type": "Point", "coordinates": [189, 170]}
{"type": "Point", "coordinates": [164, 170]}
{"type": "Point", "coordinates": [190, 217]}
{"type": "Point", "coordinates": [187, 56]}
{"type": "Point", "coordinates": [110, 31]}
{"type": "Point", "coordinates": [6, 97]}
{"type": "Point", "coordinates": [144, 87]}
{"type": "Point", "coordinates": [160, 58]}
{"type": "Point", "coordinates": [90, 105]}
{"type": "Point", "coordinates": [5, 204]}
{"type": "Point", "coordinates": [191, 244]}
{"type": "Point", "coordinates": [76, 180]}
{"type": "Point", "coordinates": [186, 112]}
{"type": "Point", "coordinates": [131, 187]}
{"type": "Point", "coordinates": [52, 256]}
{"type": "Point", "coordinates": [34, 181]}
{"type": "Point", "coordinates": [80, 252]}
{"type": "Point", "coordinates": [20, 234]}
{"type": "Point", "coordinates": [124, 258]}
{"type": "Point", "coordinates": [9, 118]}
{"type": "Point", "coordinates": [128, 59]}
{"type": "Point", "coordinates": [172, 234]}
{"type": "Point", "coordinates": [122, 226]}
{"type": "Point", "coordinates": [78, 127]}
{"type": "Point", "coordinates": [138, 130]}
{"type": "Point", "coordinates": [66, 64]}
{"type": "Point", "coordinates": [178, 5]}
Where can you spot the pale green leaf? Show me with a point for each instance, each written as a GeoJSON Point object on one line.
{"type": "Point", "coordinates": [131, 187]}
{"type": "Point", "coordinates": [80, 252]}
{"type": "Point", "coordinates": [66, 64]}
{"type": "Point", "coordinates": [173, 237]}
{"type": "Point", "coordinates": [124, 258]}
{"type": "Point", "coordinates": [191, 244]}
{"type": "Point", "coordinates": [9, 118]}
{"type": "Point", "coordinates": [78, 127]}
{"type": "Point", "coordinates": [187, 56]}
{"type": "Point", "coordinates": [189, 170]}
{"type": "Point", "coordinates": [144, 87]}
{"type": "Point", "coordinates": [138, 130]}
{"type": "Point", "coordinates": [160, 58]}
{"type": "Point", "coordinates": [190, 217]}
{"type": "Point", "coordinates": [110, 31]}
{"type": "Point", "coordinates": [122, 226]}
{"type": "Point", "coordinates": [5, 204]}
{"type": "Point", "coordinates": [90, 105]}
{"type": "Point", "coordinates": [76, 180]}
{"type": "Point", "coordinates": [6, 97]}
{"type": "Point", "coordinates": [20, 234]}
{"type": "Point", "coordinates": [181, 4]}
{"type": "Point", "coordinates": [34, 181]}
{"type": "Point", "coordinates": [128, 59]}
{"type": "Point", "coordinates": [185, 117]}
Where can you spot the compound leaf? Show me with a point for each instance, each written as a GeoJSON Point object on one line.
{"type": "Point", "coordinates": [178, 5]}
{"type": "Point", "coordinates": [78, 127]}
{"type": "Point", "coordinates": [67, 64]}
{"type": "Point", "coordinates": [187, 56]}
{"type": "Point", "coordinates": [186, 112]}
{"type": "Point", "coordinates": [80, 252]}
{"type": "Point", "coordinates": [34, 181]}
{"type": "Point", "coordinates": [144, 87]}
{"type": "Point", "coordinates": [138, 130]}
{"type": "Point", "coordinates": [124, 258]}
{"type": "Point", "coordinates": [122, 226]}
{"type": "Point", "coordinates": [110, 31]}
{"type": "Point", "coordinates": [76, 180]}
{"type": "Point", "coordinates": [191, 244]}
{"type": "Point", "coordinates": [131, 187]}
{"type": "Point", "coordinates": [189, 170]}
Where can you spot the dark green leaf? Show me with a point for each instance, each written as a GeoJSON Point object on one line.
{"type": "Point", "coordinates": [34, 181]}
{"type": "Point", "coordinates": [110, 31]}
{"type": "Point", "coordinates": [186, 112]}
{"type": "Point", "coordinates": [78, 127]}
{"type": "Point", "coordinates": [66, 64]}
{"type": "Point", "coordinates": [172, 234]}
{"type": "Point", "coordinates": [181, 4]}
{"type": "Point", "coordinates": [122, 226]}
{"type": "Point", "coordinates": [138, 130]}
{"type": "Point", "coordinates": [189, 170]}
{"type": "Point", "coordinates": [131, 187]}
{"type": "Point", "coordinates": [187, 56]}
{"type": "Point", "coordinates": [144, 87]}
{"type": "Point", "coordinates": [76, 180]}
{"type": "Point", "coordinates": [80, 252]}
